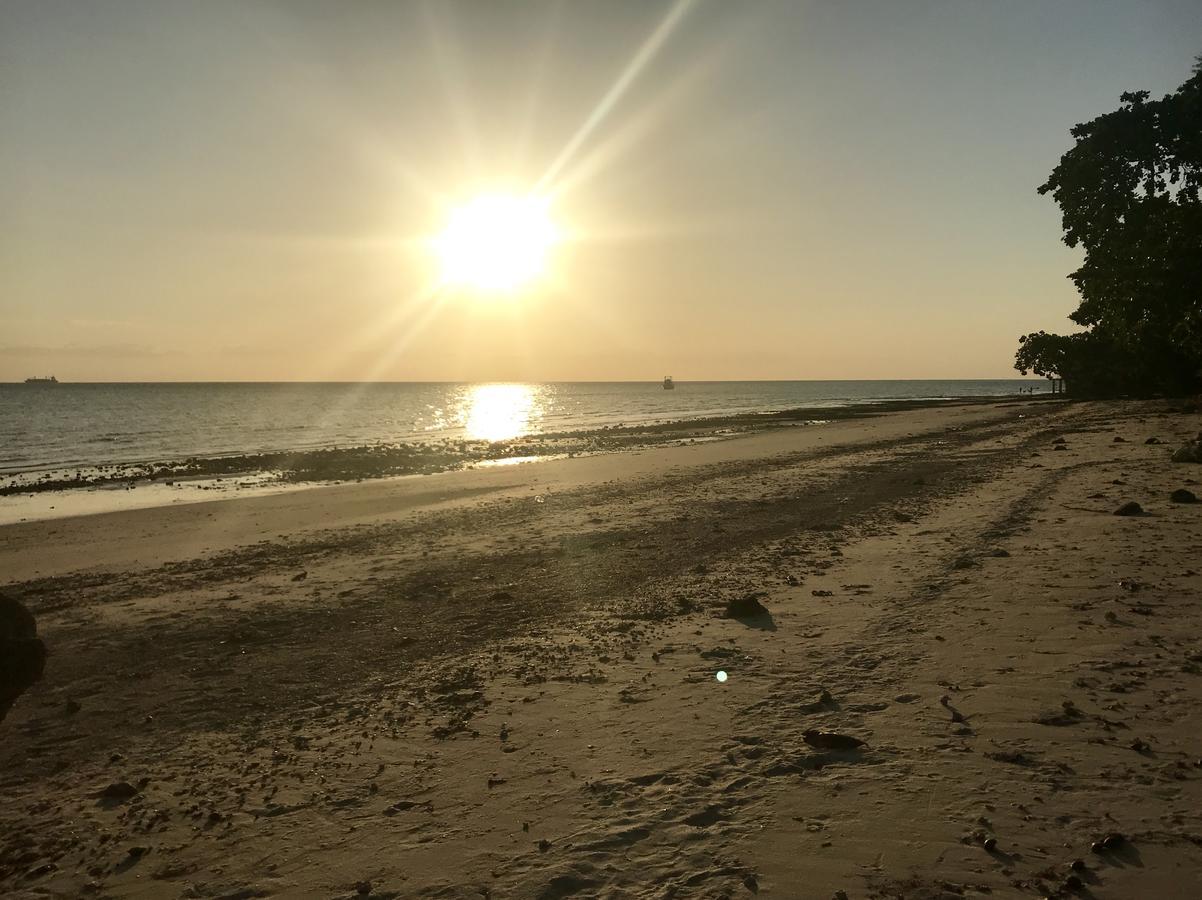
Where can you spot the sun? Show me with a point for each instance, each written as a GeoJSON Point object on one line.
{"type": "Point", "coordinates": [497, 243]}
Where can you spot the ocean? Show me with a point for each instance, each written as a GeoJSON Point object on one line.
{"type": "Point", "coordinates": [65, 426]}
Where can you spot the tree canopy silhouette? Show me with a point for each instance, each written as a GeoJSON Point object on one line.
{"type": "Point", "coordinates": [1130, 194]}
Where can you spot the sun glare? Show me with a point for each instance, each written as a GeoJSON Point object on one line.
{"type": "Point", "coordinates": [496, 243]}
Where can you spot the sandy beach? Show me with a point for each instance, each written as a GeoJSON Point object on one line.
{"type": "Point", "coordinates": [504, 682]}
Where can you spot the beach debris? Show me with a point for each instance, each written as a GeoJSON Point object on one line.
{"type": "Point", "coordinates": [957, 716]}
{"type": "Point", "coordinates": [22, 653]}
{"type": "Point", "coordinates": [705, 818]}
{"type": "Point", "coordinates": [1110, 841]}
{"type": "Point", "coordinates": [830, 740]}
{"type": "Point", "coordinates": [1130, 508]}
{"type": "Point", "coordinates": [1069, 714]}
{"type": "Point", "coordinates": [747, 606]}
{"type": "Point", "coordinates": [1183, 495]}
{"type": "Point", "coordinates": [823, 703]}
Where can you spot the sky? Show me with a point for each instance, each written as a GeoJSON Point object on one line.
{"type": "Point", "coordinates": [247, 191]}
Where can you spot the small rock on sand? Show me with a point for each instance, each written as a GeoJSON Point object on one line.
{"type": "Point", "coordinates": [746, 607]}
{"type": "Point", "coordinates": [829, 740]}
{"type": "Point", "coordinates": [118, 791]}
{"type": "Point", "coordinates": [1183, 495]}
{"type": "Point", "coordinates": [1130, 508]}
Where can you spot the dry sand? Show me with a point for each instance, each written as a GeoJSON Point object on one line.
{"type": "Point", "coordinates": [502, 683]}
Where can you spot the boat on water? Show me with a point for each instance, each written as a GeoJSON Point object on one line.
{"type": "Point", "coordinates": [669, 384]}
{"type": "Point", "coordinates": [42, 379]}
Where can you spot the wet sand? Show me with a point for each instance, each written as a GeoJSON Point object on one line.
{"type": "Point", "coordinates": [501, 682]}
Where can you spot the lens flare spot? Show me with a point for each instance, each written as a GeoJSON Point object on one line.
{"type": "Point", "coordinates": [721, 676]}
{"type": "Point", "coordinates": [496, 243]}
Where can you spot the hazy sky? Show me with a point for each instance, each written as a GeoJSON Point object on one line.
{"type": "Point", "coordinates": [240, 190]}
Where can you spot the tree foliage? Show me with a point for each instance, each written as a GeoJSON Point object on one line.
{"type": "Point", "coordinates": [1130, 194]}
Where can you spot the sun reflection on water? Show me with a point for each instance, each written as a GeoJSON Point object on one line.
{"type": "Point", "coordinates": [498, 412]}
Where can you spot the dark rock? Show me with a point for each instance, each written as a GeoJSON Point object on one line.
{"type": "Point", "coordinates": [1120, 440]}
{"type": "Point", "coordinates": [1130, 508]}
{"type": "Point", "coordinates": [1152, 440]}
{"type": "Point", "coordinates": [300, 576]}
{"type": "Point", "coordinates": [1077, 865]}
{"type": "Point", "coordinates": [1073, 883]}
{"type": "Point", "coordinates": [746, 607]}
{"type": "Point", "coordinates": [990, 844]}
{"type": "Point", "coordinates": [829, 740]}
{"type": "Point", "coordinates": [1189, 453]}
{"type": "Point", "coordinates": [22, 653]}
{"type": "Point", "coordinates": [118, 792]}
{"type": "Point", "coordinates": [1182, 495]}
{"type": "Point", "coordinates": [1060, 440]}
{"type": "Point", "coordinates": [363, 888]}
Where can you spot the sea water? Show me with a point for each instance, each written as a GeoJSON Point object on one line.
{"type": "Point", "coordinates": [61, 426]}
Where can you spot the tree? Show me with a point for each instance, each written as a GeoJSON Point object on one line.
{"type": "Point", "coordinates": [1130, 194]}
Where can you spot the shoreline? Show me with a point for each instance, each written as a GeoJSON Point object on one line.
{"type": "Point", "coordinates": [268, 472]}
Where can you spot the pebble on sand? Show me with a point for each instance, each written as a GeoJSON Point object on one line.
{"type": "Point", "coordinates": [1183, 495]}
{"type": "Point", "coordinates": [1130, 508]}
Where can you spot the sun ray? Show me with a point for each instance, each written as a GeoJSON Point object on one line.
{"type": "Point", "coordinates": [611, 97]}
